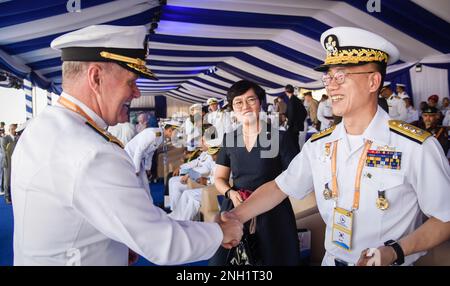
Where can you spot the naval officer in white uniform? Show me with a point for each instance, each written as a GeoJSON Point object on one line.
{"type": "Point", "coordinates": [213, 114]}
{"type": "Point", "coordinates": [373, 177]}
{"type": "Point", "coordinates": [400, 89]}
{"type": "Point", "coordinates": [397, 107]}
{"type": "Point", "coordinates": [76, 197]}
{"type": "Point", "coordinates": [143, 146]}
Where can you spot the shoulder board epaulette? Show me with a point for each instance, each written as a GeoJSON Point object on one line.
{"type": "Point", "coordinates": [108, 137]}
{"type": "Point", "coordinates": [409, 131]}
{"type": "Point", "coordinates": [323, 133]}
{"type": "Point", "coordinates": [158, 134]}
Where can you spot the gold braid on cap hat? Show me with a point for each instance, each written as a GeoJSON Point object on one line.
{"type": "Point", "coordinates": [134, 63]}
{"type": "Point", "coordinates": [337, 55]}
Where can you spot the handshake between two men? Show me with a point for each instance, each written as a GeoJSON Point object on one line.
{"type": "Point", "coordinates": [231, 227]}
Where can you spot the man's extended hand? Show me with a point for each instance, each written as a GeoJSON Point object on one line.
{"type": "Point", "coordinates": [382, 256]}
{"type": "Point", "coordinates": [231, 227]}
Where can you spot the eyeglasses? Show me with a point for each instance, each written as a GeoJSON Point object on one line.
{"type": "Point", "coordinates": [339, 77]}
{"type": "Point", "coordinates": [239, 103]}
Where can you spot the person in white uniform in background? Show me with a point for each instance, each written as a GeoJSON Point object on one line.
{"type": "Point", "coordinates": [144, 145]}
{"type": "Point", "coordinates": [373, 177]}
{"type": "Point", "coordinates": [400, 89]}
{"type": "Point", "coordinates": [178, 184]}
{"type": "Point", "coordinates": [76, 197]}
{"type": "Point", "coordinates": [188, 204]}
{"type": "Point", "coordinates": [219, 118]}
{"type": "Point", "coordinates": [123, 131]}
{"type": "Point", "coordinates": [325, 114]}
{"type": "Point", "coordinates": [192, 127]}
{"type": "Point", "coordinates": [213, 114]}
{"type": "Point", "coordinates": [397, 107]}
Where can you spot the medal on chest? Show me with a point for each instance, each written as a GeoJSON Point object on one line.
{"type": "Point", "coordinates": [327, 193]}
{"type": "Point", "coordinates": [382, 203]}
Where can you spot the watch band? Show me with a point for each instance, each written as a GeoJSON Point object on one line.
{"type": "Point", "coordinates": [227, 193]}
{"type": "Point", "coordinates": [398, 250]}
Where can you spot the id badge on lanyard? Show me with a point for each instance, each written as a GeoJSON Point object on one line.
{"type": "Point", "coordinates": [342, 228]}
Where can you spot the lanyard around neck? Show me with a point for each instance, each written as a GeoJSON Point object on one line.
{"type": "Point", "coordinates": [75, 108]}
{"type": "Point", "coordinates": [334, 183]}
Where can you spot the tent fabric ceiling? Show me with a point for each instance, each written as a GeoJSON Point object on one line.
{"type": "Point", "coordinates": [201, 48]}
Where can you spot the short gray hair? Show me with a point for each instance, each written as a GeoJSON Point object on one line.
{"type": "Point", "coordinates": [72, 70]}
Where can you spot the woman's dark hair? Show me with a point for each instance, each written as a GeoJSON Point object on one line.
{"type": "Point", "coordinates": [241, 87]}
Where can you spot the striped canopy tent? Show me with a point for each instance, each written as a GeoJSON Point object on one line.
{"type": "Point", "coordinates": [27, 28]}
{"type": "Point", "coordinates": [200, 48]}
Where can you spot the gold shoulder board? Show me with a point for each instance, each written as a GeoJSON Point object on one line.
{"type": "Point", "coordinates": [409, 131]}
{"type": "Point", "coordinates": [323, 133]}
{"type": "Point", "coordinates": [158, 134]}
{"type": "Point", "coordinates": [104, 134]}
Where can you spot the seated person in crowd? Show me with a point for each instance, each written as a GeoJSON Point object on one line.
{"type": "Point", "coordinates": [178, 184]}
{"type": "Point", "coordinates": [188, 204]}
{"type": "Point", "coordinates": [430, 119]}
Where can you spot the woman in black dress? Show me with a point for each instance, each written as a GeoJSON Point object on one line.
{"type": "Point", "coordinates": [255, 154]}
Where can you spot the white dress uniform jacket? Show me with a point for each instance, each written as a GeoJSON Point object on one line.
{"type": "Point", "coordinates": [141, 150]}
{"type": "Point", "coordinates": [421, 185]}
{"type": "Point", "coordinates": [193, 134]}
{"type": "Point", "coordinates": [403, 95]}
{"type": "Point", "coordinates": [123, 131]}
{"type": "Point", "coordinates": [142, 147]}
{"type": "Point", "coordinates": [214, 117]}
{"type": "Point", "coordinates": [397, 108]}
{"type": "Point", "coordinates": [77, 201]}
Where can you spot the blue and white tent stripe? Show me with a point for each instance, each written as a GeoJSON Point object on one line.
{"type": "Point", "coordinates": [27, 28]}
{"type": "Point", "coordinates": [49, 98]}
{"type": "Point", "coordinates": [28, 88]}
{"type": "Point", "coordinates": [201, 48]}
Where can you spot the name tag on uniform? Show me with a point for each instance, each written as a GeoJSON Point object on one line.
{"type": "Point", "coordinates": [384, 159]}
{"type": "Point", "coordinates": [342, 228]}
